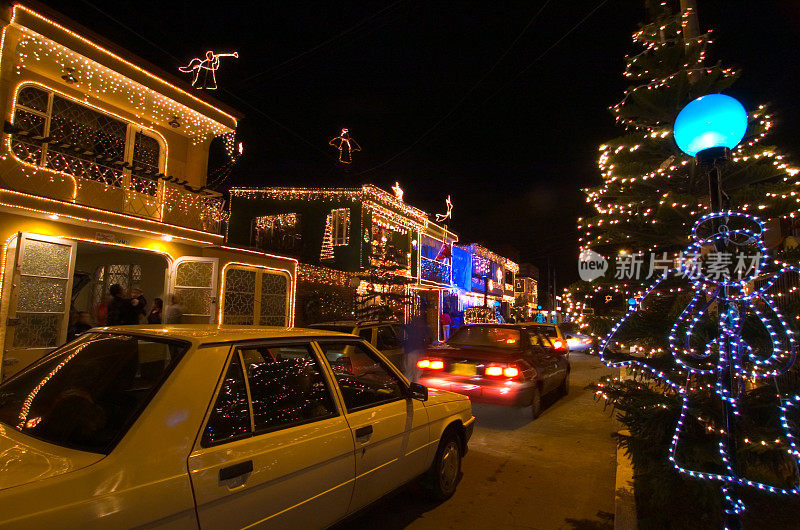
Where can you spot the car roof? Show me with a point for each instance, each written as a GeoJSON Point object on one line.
{"type": "Point", "coordinates": [354, 323]}
{"type": "Point", "coordinates": [215, 333]}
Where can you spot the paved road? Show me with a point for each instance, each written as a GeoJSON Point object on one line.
{"type": "Point", "coordinates": [556, 472]}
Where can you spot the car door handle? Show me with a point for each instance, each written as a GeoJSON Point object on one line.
{"type": "Point", "coordinates": [236, 470]}
{"type": "Point", "coordinates": [364, 432]}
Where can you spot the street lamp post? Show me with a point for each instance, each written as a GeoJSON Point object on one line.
{"type": "Point", "coordinates": [707, 129]}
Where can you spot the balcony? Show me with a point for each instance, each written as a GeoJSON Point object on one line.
{"type": "Point", "coordinates": [72, 175]}
{"type": "Point", "coordinates": [434, 271]}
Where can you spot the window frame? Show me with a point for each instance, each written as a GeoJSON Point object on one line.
{"type": "Point", "coordinates": [234, 348]}
{"type": "Point", "coordinates": [340, 226]}
{"type": "Point", "coordinates": [127, 426]}
{"type": "Point", "coordinates": [313, 354]}
{"type": "Point", "coordinates": [404, 384]}
{"type": "Point", "coordinates": [131, 128]}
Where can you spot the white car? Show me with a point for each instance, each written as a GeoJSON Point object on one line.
{"type": "Point", "coordinates": [579, 342]}
{"type": "Point", "coordinates": [218, 427]}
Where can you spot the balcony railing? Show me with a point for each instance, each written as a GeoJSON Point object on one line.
{"type": "Point", "coordinates": [80, 178]}
{"type": "Point", "coordinates": [435, 271]}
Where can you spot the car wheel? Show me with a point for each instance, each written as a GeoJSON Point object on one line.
{"type": "Point", "coordinates": [536, 403]}
{"type": "Point", "coordinates": [563, 389]}
{"type": "Point", "coordinates": [440, 481]}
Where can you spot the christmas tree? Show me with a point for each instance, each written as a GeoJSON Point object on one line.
{"type": "Point", "coordinates": [650, 198]}
{"type": "Point", "coordinates": [326, 252]}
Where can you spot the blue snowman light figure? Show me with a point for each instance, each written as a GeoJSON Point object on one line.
{"type": "Point", "coordinates": [725, 345]}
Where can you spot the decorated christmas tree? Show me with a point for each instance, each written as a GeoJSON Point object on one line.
{"type": "Point", "coordinates": [326, 251]}
{"type": "Point", "coordinates": [646, 208]}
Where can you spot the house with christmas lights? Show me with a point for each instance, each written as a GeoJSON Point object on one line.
{"type": "Point", "coordinates": [347, 239]}
{"type": "Point", "coordinates": [103, 173]}
{"type": "Point", "coordinates": [482, 278]}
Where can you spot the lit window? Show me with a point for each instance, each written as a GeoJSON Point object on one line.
{"type": "Point", "coordinates": [340, 223]}
{"type": "Point", "coordinates": [57, 133]}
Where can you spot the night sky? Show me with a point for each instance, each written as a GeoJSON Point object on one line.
{"type": "Point", "coordinates": [446, 97]}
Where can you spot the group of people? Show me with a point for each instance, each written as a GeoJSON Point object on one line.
{"type": "Point", "coordinates": [123, 308]}
{"type": "Point", "coordinates": [131, 308]}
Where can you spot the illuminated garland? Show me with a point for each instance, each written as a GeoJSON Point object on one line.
{"type": "Point", "coordinates": [732, 353]}
{"type": "Point", "coordinates": [36, 51]}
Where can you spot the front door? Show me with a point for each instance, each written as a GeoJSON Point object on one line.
{"type": "Point", "coordinates": [276, 451]}
{"type": "Point", "coordinates": [193, 282]}
{"type": "Point", "coordinates": [390, 430]}
{"type": "Point", "coordinates": [38, 310]}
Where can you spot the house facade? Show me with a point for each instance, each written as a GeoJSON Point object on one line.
{"type": "Point", "coordinates": [103, 167]}
{"type": "Point", "coordinates": [342, 235]}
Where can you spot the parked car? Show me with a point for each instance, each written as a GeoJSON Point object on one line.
{"type": "Point", "coordinates": [579, 342]}
{"type": "Point", "coordinates": [553, 332]}
{"type": "Point", "coordinates": [218, 427]}
{"type": "Point", "coordinates": [504, 364]}
{"type": "Point", "coordinates": [386, 336]}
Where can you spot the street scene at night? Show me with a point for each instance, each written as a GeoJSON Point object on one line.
{"type": "Point", "coordinates": [398, 264]}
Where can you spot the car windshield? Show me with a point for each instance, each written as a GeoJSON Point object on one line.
{"type": "Point", "coordinates": [549, 331]}
{"type": "Point", "coordinates": [494, 336]}
{"type": "Point", "coordinates": [87, 394]}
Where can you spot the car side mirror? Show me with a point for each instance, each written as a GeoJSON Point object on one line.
{"type": "Point", "coordinates": [418, 391]}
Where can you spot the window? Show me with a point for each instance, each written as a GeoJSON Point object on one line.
{"type": "Point", "coordinates": [364, 380]}
{"type": "Point", "coordinates": [254, 296]}
{"type": "Point", "coordinates": [340, 222]}
{"type": "Point", "coordinates": [366, 334]}
{"type": "Point", "coordinates": [60, 134]}
{"type": "Point", "coordinates": [492, 336]}
{"type": "Point", "coordinates": [277, 232]}
{"type": "Point", "coordinates": [287, 386]}
{"type": "Point", "coordinates": [87, 394]}
{"type": "Point", "coordinates": [128, 275]}
{"type": "Point", "coordinates": [387, 340]}
{"type": "Point", "coordinates": [230, 417]}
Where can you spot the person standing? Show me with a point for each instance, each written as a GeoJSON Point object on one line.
{"type": "Point", "coordinates": [154, 317]}
{"type": "Point", "coordinates": [173, 314]}
{"type": "Point", "coordinates": [444, 323]}
{"type": "Point", "coordinates": [120, 312]}
{"type": "Point", "coordinates": [139, 304]}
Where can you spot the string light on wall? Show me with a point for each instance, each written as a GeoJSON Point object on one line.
{"type": "Point", "coordinates": [41, 55]}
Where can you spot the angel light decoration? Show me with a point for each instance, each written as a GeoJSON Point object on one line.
{"type": "Point", "coordinates": [207, 68]}
{"type": "Point", "coordinates": [346, 145]}
{"type": "Point", "coordinates": [727, 349]}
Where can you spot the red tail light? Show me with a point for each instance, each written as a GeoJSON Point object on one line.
{"type": "Point", "coordinates": [500, 371]}
{"type": "Point", "coordinates": [427, 364]}
{"type": "Point", "coordinates": [494, 371]}
{"type": "Point", "coordinates": [558, 344]}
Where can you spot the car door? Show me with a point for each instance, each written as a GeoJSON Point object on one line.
{"type": "Point", "coordinates": [547, 360]}
{"type": "Point", "coordinates": [275, 450]}
{"type": "Point", "coordinates": [390, 430]}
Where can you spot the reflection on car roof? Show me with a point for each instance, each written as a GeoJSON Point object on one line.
{"type": "Point", "coordinates": [204, 333]}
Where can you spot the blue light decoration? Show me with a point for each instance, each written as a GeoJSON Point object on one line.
{"type": "Point", "coordinates": [714, 120]}
{"type": "Point", "coordinates": [729, 354]}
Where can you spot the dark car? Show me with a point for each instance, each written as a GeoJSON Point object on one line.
{"type": "Point", "coordinates": [502, 364]}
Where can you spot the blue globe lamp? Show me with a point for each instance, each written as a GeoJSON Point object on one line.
{"type": "Point", "coordinates": [715, 121]}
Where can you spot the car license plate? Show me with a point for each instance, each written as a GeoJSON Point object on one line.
{"type": "Point", "coordinates": [463, 369]}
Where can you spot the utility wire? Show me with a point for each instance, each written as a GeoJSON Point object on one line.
{"type": "Point", "coordinates": [537, 59]}
{"type": "Point", "coordinates": [321, 44]}
{"type": "Point", "coordinates": [242, 101]}
{"type": "Point", "coordinates": [464, 97]}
